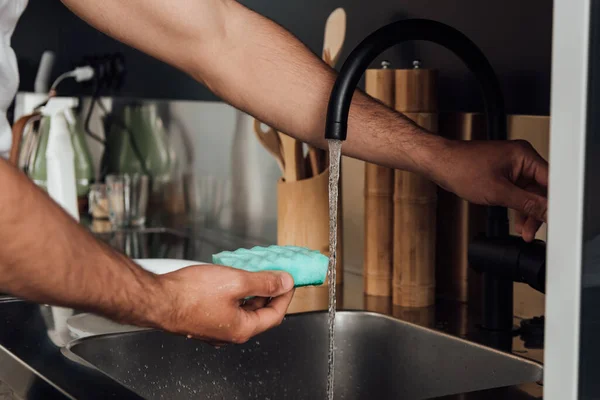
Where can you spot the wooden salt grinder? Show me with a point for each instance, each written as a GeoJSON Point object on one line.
{"type": "Point", "coordinates": [379, 202]}
{"type": "Point", "coordinates": [415, 199]}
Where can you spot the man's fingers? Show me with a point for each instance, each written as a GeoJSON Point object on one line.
{"type": "Point", "coordinates": [266, 283]}
{"type": "Point", "coordinates": [536, 167]}
{"type": "Point", "coordinates": [530, 228]}
{"type": "Point", "coordinates": [528, 203]}
{"type": "Point", "coordinates": [255, 303]}
{"type": "Point", "coordinates": [539, 171]}
{"type": "Point", "coordinates": [270, 316]}
{"type": "Point", "coordinates": [519, 222]}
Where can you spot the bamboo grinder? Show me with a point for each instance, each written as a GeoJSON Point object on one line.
{"type": "Point", "coordinates": [415, 198]}
{"type": "Point", "coordinates": [379, 203]}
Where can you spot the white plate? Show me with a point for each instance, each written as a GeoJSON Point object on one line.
{"type": "Point", "coordinates": [164, 265]}
{"type": "Point", "coordinates": [84, 325]}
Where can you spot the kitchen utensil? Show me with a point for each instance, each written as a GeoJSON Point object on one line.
{"type": "Point", "coordinates": [415, 199]}
{"type": "Point", "coordinates": [303, 220]}
{"type": "Point", "coordinates": [293, 158]}
{"type": "Point", "coordinates": [127, 199]}
{"type": "Point", "coordinates": [335, 33]}
{"type": "Point", "coordinates": [271, 142]}
{"type": "Point", "coordinates": [98, 201]}
{"type": "Point", "coordinates": [317, 160]}
{"type": "Point", "coordinates": [307, 267]}
{"type": "Point", "coordinates": [379, 202]}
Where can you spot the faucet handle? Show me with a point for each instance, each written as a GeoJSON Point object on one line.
{"type": "Point", "coordinates": [510, 258]}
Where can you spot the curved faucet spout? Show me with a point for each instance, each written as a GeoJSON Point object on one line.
{"type": "Point", "coordinates": [408, 30]}
{"type": "Point", "coordinates": [497, 292]}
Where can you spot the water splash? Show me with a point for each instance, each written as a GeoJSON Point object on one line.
{"type": "Point", "coordinates": [335, 150]}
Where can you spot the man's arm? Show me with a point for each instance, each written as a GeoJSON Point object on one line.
{"type": "Point", "coordinates": [48, 258]}
{"type": "Point", "coordinates": [259, 67]}
{"type": "Point", "coordinates": [256, 66]}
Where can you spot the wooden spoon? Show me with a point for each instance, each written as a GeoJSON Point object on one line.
{"type": "Point", "coordinates": [271, 142]}
{"type": "Point", "coordinates": [335, 34]}
{"type": "Point", "coordinates": [292, 158]}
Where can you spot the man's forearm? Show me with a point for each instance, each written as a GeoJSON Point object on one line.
{"type": "Point", "coordinates": [47, 257]}
{"type": "Point", "coordinates": [272, 75]}
{"type": "Point", "coordinates": [258, 67]}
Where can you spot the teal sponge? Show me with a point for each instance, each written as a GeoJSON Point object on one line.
{"type": "Point", "coordinates": [307, 267]}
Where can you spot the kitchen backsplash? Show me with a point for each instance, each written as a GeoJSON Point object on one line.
{"type": "Point", "coordinates": [226, 175]}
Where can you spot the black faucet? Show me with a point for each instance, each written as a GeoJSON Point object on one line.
{"type": "Point", "coordinates": [497, 293]}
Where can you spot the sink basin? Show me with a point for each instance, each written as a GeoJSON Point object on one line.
{"type": "Point", "coordinates": [377, 357]}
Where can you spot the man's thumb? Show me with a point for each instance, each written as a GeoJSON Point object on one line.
{"type": "Point", "coordinates": [268, 283]}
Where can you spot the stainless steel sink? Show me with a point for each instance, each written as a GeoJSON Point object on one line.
{"type": "Point", "coordinates": [377, 357]}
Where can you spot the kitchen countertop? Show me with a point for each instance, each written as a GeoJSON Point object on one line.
{"type": "Point", "coordinates": [33, 367]}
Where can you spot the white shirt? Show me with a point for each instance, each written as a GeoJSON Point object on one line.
{"type": "Point", "coordinates": [10, 11]}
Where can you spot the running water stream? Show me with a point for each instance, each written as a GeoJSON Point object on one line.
{"type": "Point", "coordinates": [335, 149]}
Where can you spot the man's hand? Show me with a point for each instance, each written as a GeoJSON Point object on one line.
{"type": "Point", "coordinates": [508, 173]}
{"type": "Point", "coordinates": [207, 302]}
{"type": "Point", "coordinates": [47, 257]}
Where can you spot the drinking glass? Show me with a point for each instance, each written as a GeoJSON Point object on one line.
{"type": "Point", "coordinates": [127, 199]}
{"type": "Point", "coordinates": [98, 201]}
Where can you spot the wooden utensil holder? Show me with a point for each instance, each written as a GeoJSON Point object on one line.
{"type": "Point", "coordinates": [303, 220]}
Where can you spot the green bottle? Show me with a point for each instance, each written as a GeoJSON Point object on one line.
{"type": "Point", "coordinates": [84, 168]}
{"type": "Point", "coordinates": [137, 125]}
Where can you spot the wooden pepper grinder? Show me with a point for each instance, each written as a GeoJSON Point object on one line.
{"type": "Point", "coordinates": [379, 202]}
{"type": "Point", "coordinates": [415, 198]}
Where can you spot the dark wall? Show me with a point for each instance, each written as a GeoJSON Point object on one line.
{"type": "Point", "coordinates": [514, 34]}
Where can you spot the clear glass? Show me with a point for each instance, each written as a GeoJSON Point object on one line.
{"type": "Point", "coordinates": [204, 196]}
{"type": "Point", "coordinates": [127, 199]}
{"type": "Point", "coordinates": [98, 201]}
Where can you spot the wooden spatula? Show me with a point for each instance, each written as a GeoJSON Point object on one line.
{"type": "Point", "coordinates": [335, 34]}
{"type": "Point", "coordinates": [271, 142]}
{"type": "Point", "coordinates": [292, 158]}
